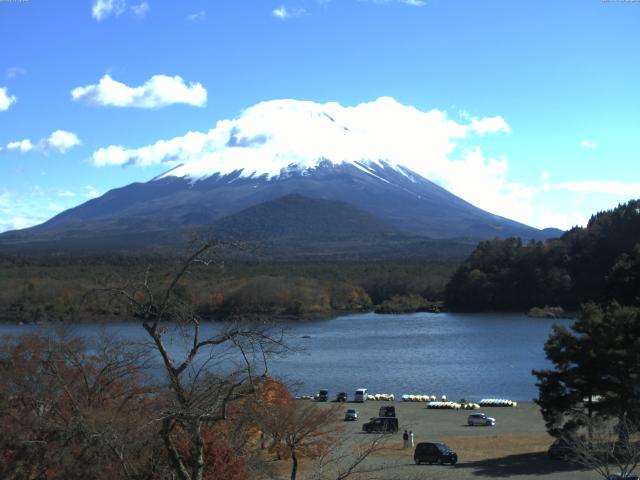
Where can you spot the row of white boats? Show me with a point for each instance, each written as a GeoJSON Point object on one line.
{"type": "Point", "coordinates": [433, 402]}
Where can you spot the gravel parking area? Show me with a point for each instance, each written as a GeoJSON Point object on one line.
{"type": "Point", "coordinates": [515, 448]}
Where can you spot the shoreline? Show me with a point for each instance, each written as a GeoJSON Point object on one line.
{"type": "Point", "coordinates": [276, 318]}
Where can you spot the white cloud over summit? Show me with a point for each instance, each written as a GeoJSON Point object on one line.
{"type": "Point", "coordinates": [271, 136]}
{"type": "Point", "coordinates": [158, 91]}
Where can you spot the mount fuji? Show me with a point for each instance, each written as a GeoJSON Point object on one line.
{"type": "Point", "coordinates": [285, 171]}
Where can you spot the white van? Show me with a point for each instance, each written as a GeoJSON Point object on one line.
{"type": "Point", "coordinates": [361, 395]}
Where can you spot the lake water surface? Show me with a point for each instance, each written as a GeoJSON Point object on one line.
{"type": "Point", "coordinates": [460, 355]}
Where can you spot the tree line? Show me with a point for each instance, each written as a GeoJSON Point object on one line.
{"type": "Point", "coordinates": [600, 263]}
{"type": "Point", "coordinates": [58, 288]}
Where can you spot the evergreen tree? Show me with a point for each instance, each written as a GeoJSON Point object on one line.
{"type": "Point", "coordinates": [596, 369]}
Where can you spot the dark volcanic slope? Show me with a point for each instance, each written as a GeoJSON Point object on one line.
{"type": "Point", "coordinates": [160, 211]}
{"type": "Point", "coordinates": [302, 218]}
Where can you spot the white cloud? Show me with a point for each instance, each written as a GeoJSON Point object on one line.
{"type": "Point", "coordinates": [22, 146]}
{"type": "Point", "coordinates": [546, 217]}
{"type": "Point", "coordinates": [17, 223]}
{"type": "Point", "coordinates": [91, 192]}
{"type": "Point", "coordinates": [6, 100]}
{"type": "Point", "coordinates": [59, 141]}
{"type": "Point", "coordinates": [22, 209]}
{"type": "Point", "coordinates": [588, 144]}
{"type": "Point", "coordinates": [283, 13]}
{"type": "Point", "coordinates": [104, 8]}
{"type": "Point", "coordinates": [191, 145]}
{"type": "Point", "coordinates": [600, 186]}
{"type": "Point", "coordinates": [489, 125]}
{"type": "Point", "coordinates": [158, 91]}
{"type": "Point", "coordinates": [13, 72]}
{"type": "Point", "coordinates": [272, 135]}
{"type": "Point", "coordinates": [198, 16]}
{"type": "Point", "coordinates": [140, 10]}
{"type": "Point", "coordinates": [65, 193]}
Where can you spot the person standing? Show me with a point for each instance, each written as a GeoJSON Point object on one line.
{"type": "Point", "coordinates": [411, 439]}
{"type": "Point", "coordinates": [405, 438]}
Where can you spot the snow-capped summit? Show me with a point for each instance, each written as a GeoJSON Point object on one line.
{"type": "Point", "coordinates": [296, 170]}
{"type": "Point", "coordinates": [278, 136]}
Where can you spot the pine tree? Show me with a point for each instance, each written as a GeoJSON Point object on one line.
{"type": "Point", "coordinates": [596, 369]}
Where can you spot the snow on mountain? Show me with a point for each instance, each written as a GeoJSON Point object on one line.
{"type": "Point", "coordinates": [278, 136]}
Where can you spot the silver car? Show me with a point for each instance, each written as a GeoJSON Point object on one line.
{"type": "Point", "coordinates": [480, 419]}
{"type": "Point", "coordinates": [351, 415]}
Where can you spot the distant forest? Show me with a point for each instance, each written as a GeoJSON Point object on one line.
{"type": "Point", "coordinates": [600, 263]}
{"type": "Point", "coordinates": [73, 288]}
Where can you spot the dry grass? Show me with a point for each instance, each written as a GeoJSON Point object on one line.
{"type": "Point", "coordinates": [496, 446]}
{"type": "Point", "coordinates": [482, 448]}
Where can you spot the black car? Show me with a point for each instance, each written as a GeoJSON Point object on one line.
{"type": "Point", "coordinates": [341, 397]}
{"type": "Point", "coordinates": [387, 411]}
{"type": "Point", "coordinates": [323, 395]}
{"type": "Point", "coordinates": [434, 453]}
{"type": "Point", "coordinates": [381, 424]}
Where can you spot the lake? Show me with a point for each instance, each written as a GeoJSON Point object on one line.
{"type": "Point", "coordinates": [460, 355]}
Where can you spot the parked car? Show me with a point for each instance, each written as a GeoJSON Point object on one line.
{"type": "Point", "coordinates": [387, 411]}
{"type": "Point", "coordinates": [427, 452]}
{"type": "Point", "coordinates": [381, 424]}
{"type": "Point", "coordinates": [323, 395]}
{"type": "Point", "coordinates": [480, 419]}
{"type": "Point", "coordinates": [341, 397]}
{"type": "Point", "coordinates": [351, 415]}
{"type": "Point", "coordinates": [361, 395]}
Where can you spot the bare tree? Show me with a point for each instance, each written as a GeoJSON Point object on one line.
{"type": "Point", "coordinates": [345, 461]}
{"type": "Point", "coordinates": [298, 429]}
{"type": "Point", "coordinates": [209, 374]}
{"type": "Point", "coordinates": [613, 447]}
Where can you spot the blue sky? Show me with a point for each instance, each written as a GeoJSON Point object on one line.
{"type": "Point", "coordinates": [563, 76]}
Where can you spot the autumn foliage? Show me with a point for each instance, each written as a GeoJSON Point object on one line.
{"type": "Point", "coordinates": [73, 410]}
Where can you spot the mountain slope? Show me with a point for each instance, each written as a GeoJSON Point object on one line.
{"type": "Point", "coordinates": [400, 198]}
{"type": "Point", "coordinates": [357, 156]}
{"type": "Point", "coordinates": [301, 218]}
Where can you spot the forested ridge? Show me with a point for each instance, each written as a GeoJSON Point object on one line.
{"type": "Point", "coordinates": [600, 262]}
{"type": "Point", "coordinates": [64, 288]}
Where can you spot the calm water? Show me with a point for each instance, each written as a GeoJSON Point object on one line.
{"type": "Point", "coordinates": [460, 355]}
